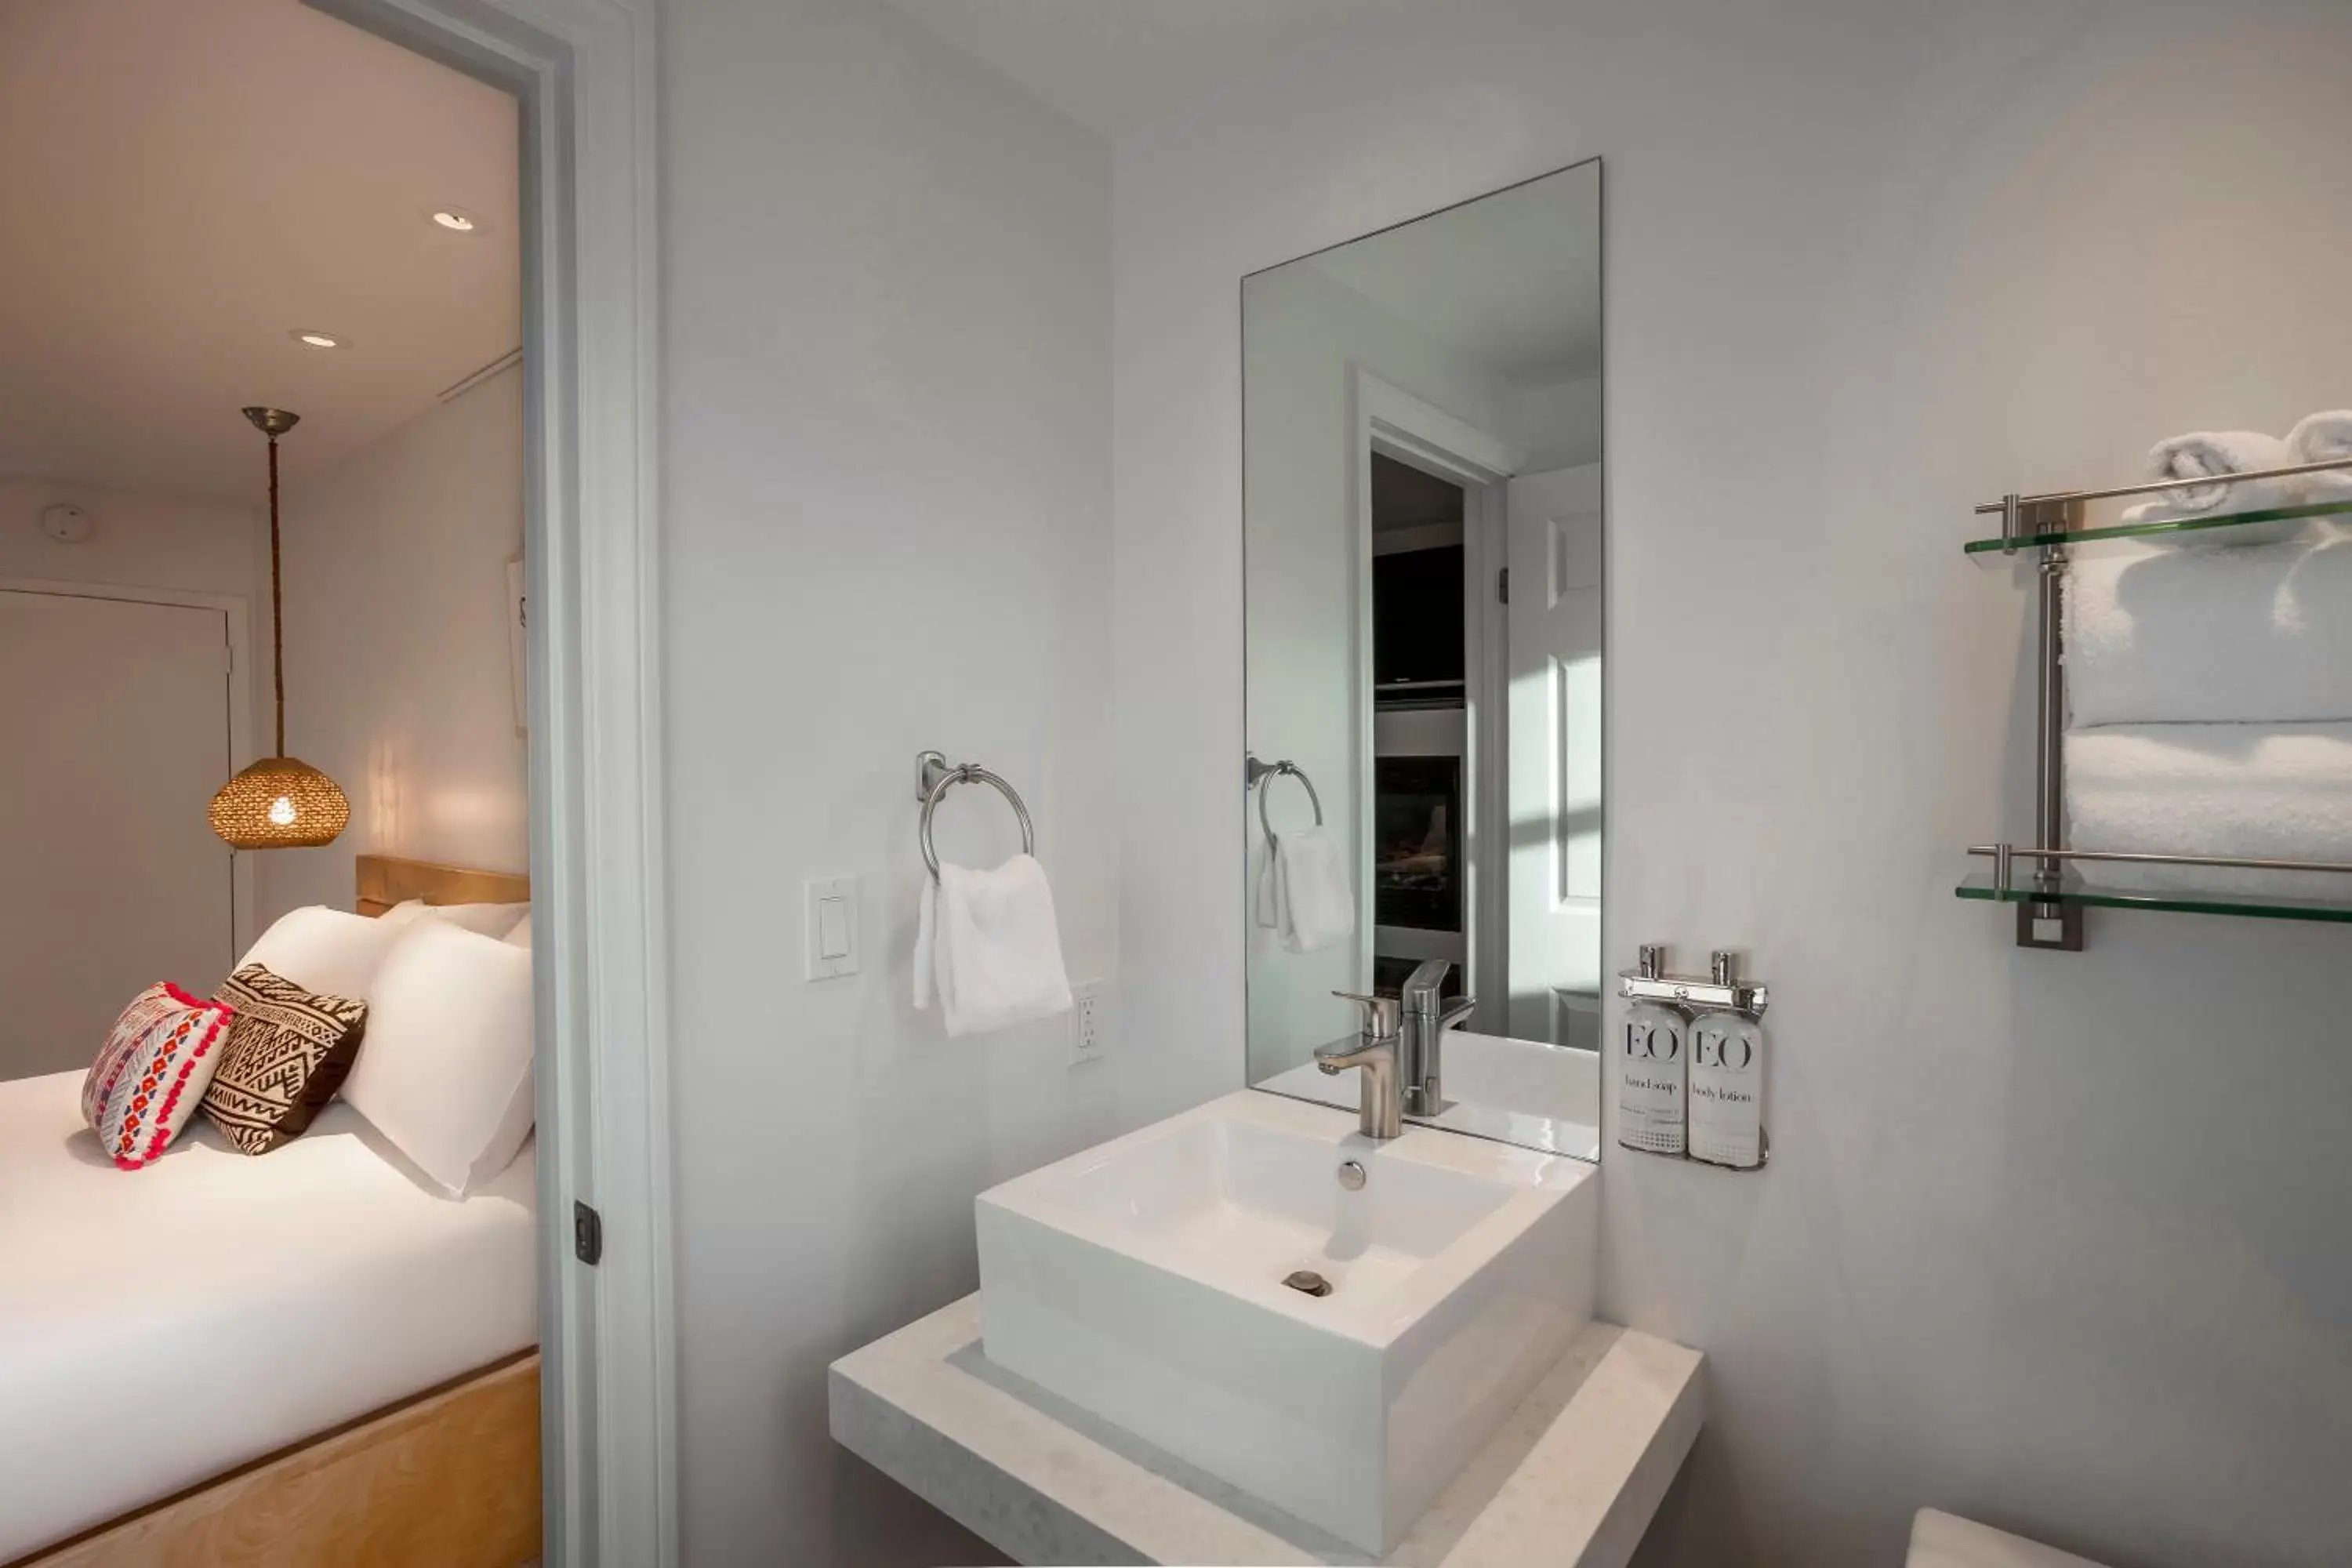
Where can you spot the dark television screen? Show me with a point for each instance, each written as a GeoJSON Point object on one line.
{"type": "Point", "coordinates": [1417, 616]}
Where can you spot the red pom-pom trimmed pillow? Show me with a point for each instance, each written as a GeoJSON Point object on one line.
{"type": "Point", "coordinates": [153, 1072]}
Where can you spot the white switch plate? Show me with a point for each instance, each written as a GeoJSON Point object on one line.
{"type": "Point", "coordinates": [830, 927]}
{"type": "Point", "coordinates": [1087, 1034]}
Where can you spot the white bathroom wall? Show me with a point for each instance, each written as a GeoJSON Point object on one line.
{"type": "Point", "coordinates": [2056, 1240]}
{"type": "Point", "coordinates": [137, 540]}
{"type": "Point", "coordinates": [1557, 424]}
{"type": "Point", "coordinates": [1309, 335]}
{"type": "Point", "coordinates": [398, 671]}
{"type": "Point", "coordinates": [887, 434]}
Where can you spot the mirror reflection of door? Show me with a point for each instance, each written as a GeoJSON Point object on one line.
{"type": "Point", "coordinates": [1424, 613]}
{"type": "Point", "coordinates": [1553, 727]}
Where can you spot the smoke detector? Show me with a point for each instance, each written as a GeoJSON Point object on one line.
{"type": "Point", "coordinates": [65, 522]}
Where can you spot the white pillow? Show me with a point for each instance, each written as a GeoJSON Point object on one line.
{"type": "Point", "coordinates": [520, 935]}
{"type": "Point", "coordinates": [490, 920]}
{"type": "Point", "coordinates": [445, 1070]}
{"type": "Point", "coordinates": [329, 951]}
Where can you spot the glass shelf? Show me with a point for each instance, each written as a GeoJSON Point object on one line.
{"type": "Point", "coordinates": [2151, 530]}
{"type": "Point", "coordinates": [2256, 906]}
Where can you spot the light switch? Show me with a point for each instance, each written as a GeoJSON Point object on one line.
{"type": "Point", "coordinates": [832, 926]}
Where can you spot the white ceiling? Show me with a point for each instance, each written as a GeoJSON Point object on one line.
{"type": "Point", "coordinates": [1511, 280]}
{"type": "Point", "coordinates": [1113, 65]}
{"type": "Point", "coordinates": [183, 182]}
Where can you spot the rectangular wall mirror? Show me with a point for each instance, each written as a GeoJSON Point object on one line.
{"type": "Point", "coordinates": [1423, 544]}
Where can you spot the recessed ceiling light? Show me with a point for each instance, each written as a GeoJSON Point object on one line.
{"type": "Point", "coordinates": [316, 340]}
{"type": "Point", "coordinates": [457, 220]}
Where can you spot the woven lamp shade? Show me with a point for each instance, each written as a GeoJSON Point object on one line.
{"type": "Point", "coordinates": [279, 803]}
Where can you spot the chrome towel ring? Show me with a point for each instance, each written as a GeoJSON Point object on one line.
{"type": "Point", "coordinates": [1259, 775]}
{"type": "Point", "coordinates": [934, 777]}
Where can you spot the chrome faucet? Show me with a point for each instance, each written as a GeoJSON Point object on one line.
{"type": "Point", "coordinates": [1373, 1052]}
{"type": "Point", "coordinates": [1420, 1047]}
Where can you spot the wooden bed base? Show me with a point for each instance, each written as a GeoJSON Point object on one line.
{"type": "Point", "coordinates": [446, 1478]}
{"type": "Point", "coordinates": [385, 881]}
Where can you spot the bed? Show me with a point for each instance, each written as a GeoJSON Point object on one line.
{"type": "Point", "coordinates": [347, 1357]}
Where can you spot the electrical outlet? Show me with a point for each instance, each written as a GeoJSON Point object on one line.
{"type": "Point", "coordinates": [1087, 1034]}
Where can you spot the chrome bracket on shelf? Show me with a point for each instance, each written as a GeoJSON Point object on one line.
{"type": "Point", "coordinates": [2022, 517]}
{"type": "Point", "coordinates": [2047, 923]}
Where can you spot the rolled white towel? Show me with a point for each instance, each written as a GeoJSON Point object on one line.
{"type": "Point", "coordinates": [2277, 791]}
{"type": "Point", "coordinates": [2210, 455]}
{"type": "Point", "coordinates": [2324, 438]}
{"type": "Point", "coordinates": [2260, 634]}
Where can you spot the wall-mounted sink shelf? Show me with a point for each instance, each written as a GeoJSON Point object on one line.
{"type": "Point", "coordinates": [1572, 1476]}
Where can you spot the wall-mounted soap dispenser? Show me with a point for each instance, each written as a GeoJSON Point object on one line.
{"type": "Point", "coordinates": [1651, 1068]}
{"type": "Point", "coordinates": [1698, 1041]}
{"type": "Point", "coordinates": [1726, 1079]}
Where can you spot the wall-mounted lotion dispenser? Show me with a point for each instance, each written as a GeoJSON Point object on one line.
{"type": "Point", "coordinates": [1725, 1048]}
{"type": "Point", "coordinates": [1650, 1070]}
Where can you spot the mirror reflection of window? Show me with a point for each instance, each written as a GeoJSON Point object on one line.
{"type": "Point", "coordinates": [1423, 539]}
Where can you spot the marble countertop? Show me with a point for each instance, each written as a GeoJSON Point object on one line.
{"type": "Point", "coordinates": [1572, 1476]}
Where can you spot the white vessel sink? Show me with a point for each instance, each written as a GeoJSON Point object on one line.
{"type": "Point", "coordinates": [1143, 1280]}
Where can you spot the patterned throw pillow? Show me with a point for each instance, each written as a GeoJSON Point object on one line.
{"type": "Point", "coordinates": [153, 1070]}
{"type": "Point", "coordinates": [286, 1054]}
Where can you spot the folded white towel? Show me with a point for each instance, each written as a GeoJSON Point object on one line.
{"type": "Point", "coordinates": [1304, 893]}
{"type": "Point", "coordinates": [986, 945]}
{"type": "Point", "coordinates": [2324, 438]}
{"type": "Point", "coordinates": [2205, 455]}
{"type": "Point", "coordinates": [2277, 791]}
{"type": "Point", "coordinates": [2260, 635]}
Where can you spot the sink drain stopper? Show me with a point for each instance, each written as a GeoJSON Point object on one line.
{"type": "Point", "coordinates": [1309, 1283]}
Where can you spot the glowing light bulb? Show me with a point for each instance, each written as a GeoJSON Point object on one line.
{"type": "Point", "coordinates": [281, 812]}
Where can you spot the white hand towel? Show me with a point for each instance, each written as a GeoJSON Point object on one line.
{"type": "Point", "coordinates": [2277, 791]}
{"type": "Point", "coordinates": [987, 947]}
{"type": "Point", "coordinates": [2207, 455]}
{"type": "Point", "coordinates": [2324, 438]}
{"type": "Point", "coordinates": [2262, 634]}
{"type": "Point", "coordinates": [1315, 904]}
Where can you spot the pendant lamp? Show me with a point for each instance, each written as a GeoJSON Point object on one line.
{"type": "Point", "coordinates": [280, 801]}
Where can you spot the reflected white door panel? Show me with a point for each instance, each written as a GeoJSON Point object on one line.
{"type": "Point", "coordinates": [1555, 643]}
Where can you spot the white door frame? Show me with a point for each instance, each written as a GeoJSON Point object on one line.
{"type": "Point", "coordinates": [237, 614]}
{"type": "Point", "coordinates": [584, 71]}
{"type": "Point", "coordinates": [1395, 423]}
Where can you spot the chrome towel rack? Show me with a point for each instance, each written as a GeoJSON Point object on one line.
{"type": "Point", "coordinates": [2050, 898]}
{"type": "Point", "coordinates": [935, 775]}
{"type": "Point", "coordinates": [1257, 775]}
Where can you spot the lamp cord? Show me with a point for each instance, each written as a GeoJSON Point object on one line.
{"type": "Point", "coordinates": [277, 611]}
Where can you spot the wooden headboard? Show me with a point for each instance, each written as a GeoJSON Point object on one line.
{"type": "Point", "coordinates": [386, 879]}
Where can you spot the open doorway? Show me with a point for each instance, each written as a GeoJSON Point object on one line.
{"type": "Point", "coordinates": [267, 1082]}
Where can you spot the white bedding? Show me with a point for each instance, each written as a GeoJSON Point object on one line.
{"type": "Point", "coordinates": [160, 1326]}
